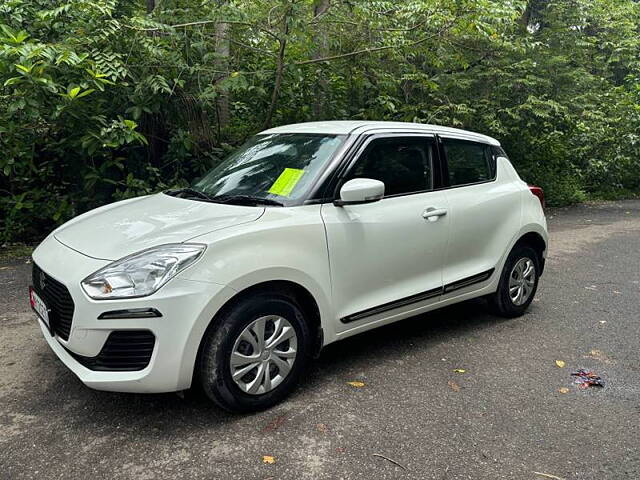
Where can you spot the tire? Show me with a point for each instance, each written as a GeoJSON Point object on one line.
{"type": "Point", "coordinates": [501, 302]}
{"type": "Point", "coordinates": [237, 332]}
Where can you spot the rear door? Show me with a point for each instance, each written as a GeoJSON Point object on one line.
{"type": "Point", "coordinates": [386, 257]}
{"type": "Point", "coordinates": [484, 214]}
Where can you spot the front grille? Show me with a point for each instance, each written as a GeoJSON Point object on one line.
{"type": "Point", "coordinates": [124, 350]}
{"type": "Point", "coordinates": [58, 300]}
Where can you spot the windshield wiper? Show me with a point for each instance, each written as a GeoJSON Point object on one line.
{"type": "Point", "coordinates": [228, 198]}
{"type": "Point", "coordinates": [225, 198]}
{"type": "Point", "coordinates": [189, 192]}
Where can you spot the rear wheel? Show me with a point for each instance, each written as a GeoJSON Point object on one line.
{"type": "Point", "coordinates": [518, 282]}
{"type": "Point", "coordinates": [254, 355]}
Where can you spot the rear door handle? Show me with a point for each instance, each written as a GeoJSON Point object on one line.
{"type": "Point", "coordinates": [432, 213]}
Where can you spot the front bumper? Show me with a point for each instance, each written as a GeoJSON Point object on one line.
{"type": "Point", "coordinates": [186, 306]}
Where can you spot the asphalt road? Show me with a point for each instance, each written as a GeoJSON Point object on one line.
{"type": "Point", "coordinates": [503, 418]}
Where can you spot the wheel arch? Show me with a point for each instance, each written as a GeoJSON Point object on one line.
{"type": "Point", "coordinates": [301, 294]}
{"type": "Point", "coordinates": [535, 241]}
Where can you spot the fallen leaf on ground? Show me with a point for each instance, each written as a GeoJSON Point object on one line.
{"type": "Point", "coordinates": [600, 356]}
{"type": "Point", "coordinates": [563, 390]}
{"type": "Point", "coordinates": [560, 363]}
{"type": "Point", "coordinates": [268, 459]}
{"type": "Point", "coordinates": [454, 386]}
{"type": "Point", "coordinates": [356, 384]}
{"type": "Point", "coordinates": [459, 370]}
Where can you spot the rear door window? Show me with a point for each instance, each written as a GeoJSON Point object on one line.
{"type": "Point", "coordinates": [468, 162]}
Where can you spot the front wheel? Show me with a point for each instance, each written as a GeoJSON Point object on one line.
{"type": "Point", "coordinates": [518, 283]}
{"type": "Point", "coordinates": [254, 355]}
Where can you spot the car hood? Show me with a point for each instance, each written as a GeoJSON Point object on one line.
{"type": "Point", "coordinates": [122, 228]}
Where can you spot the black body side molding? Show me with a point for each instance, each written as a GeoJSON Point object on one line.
{"type": "Point", "coordinates": [465, 282]}
{"type": "Point", "coordinates": [419, 297]}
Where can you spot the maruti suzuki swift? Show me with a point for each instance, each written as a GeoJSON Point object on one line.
{"type": "Point", "coordinates": [306, 235]}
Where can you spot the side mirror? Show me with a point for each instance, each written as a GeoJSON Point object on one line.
{"type": "Point", "coordinates": [360, 190]}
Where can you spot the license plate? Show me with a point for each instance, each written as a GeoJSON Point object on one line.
{"type": "Point", "coordinates": [39, 307]}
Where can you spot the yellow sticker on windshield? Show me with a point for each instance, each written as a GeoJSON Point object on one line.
{"type": "Point", "coordinates": [286, 182]}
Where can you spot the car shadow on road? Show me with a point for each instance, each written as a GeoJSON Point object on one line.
{"type": "Point", "coordinates": [169, 414]}
{"type": "Point", "coordinates": [400, 340]}
{"type": "Point", "coordinates": [412, 333]}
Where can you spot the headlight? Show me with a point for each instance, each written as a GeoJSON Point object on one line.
{"type": "Point", "coordinates": [142, 273]}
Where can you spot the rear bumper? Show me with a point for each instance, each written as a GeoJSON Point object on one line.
{"type": "Point", "coordinates": [186, 307]}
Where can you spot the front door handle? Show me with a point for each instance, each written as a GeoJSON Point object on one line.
{"type": "Point", "coordinates": [432, 214]}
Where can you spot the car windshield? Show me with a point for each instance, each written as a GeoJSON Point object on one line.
{"type": "Point", "coordinates": [279, 168]}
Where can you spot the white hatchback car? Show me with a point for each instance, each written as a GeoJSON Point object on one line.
{"type": "Point", "coordinates": [306, 235]}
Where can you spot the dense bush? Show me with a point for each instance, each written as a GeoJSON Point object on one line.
{"type": "Point", "coordinates": [106, 99]}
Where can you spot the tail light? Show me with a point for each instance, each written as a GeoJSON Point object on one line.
{"type": "Point", "coordinates": [538, 192]}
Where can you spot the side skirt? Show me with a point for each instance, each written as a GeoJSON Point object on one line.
{"type": "Point", "coordinates": [419, 297]}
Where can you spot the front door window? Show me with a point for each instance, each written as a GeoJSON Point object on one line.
{"type": "Point", "coordinates": [403, 164]}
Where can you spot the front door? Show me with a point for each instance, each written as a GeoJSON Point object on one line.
{"type": "Point", "coordinates": [387, 257]}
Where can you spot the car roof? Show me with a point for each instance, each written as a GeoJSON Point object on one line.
{"type": "Point", "coordinates": [347, 127]}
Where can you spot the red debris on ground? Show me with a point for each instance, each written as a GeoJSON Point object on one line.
{"type": "Point", "coordinates": [585, 379]}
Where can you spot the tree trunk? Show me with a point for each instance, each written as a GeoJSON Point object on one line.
{"type": "Point", "coordinates": [321, 46]}
{"type": "Point", "coordinates": [279, 70]}
{"type": "Point", "coordinates": [222, 64]}
{"type": "Point", "coordinates": [153, 123]}
{"type": "Point", "coordinates": [277, 84]}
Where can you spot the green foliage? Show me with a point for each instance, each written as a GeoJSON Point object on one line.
{"type": "Point", "coordinates": [101, 100]}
